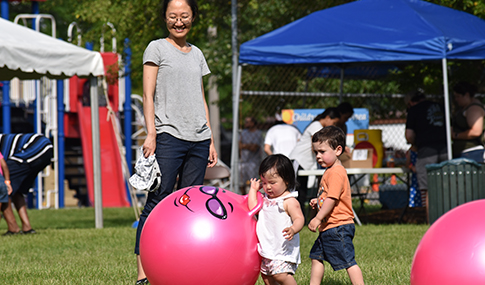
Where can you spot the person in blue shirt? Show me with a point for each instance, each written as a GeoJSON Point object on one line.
{"type": "Point", "coordinates": [26, 155]}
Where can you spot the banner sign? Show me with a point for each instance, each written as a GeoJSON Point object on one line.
{"type": "Point", "coordinates": [301, 118]}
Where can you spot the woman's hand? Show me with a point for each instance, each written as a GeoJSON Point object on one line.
{"type": "Point", "coordinates": [149, 145]}
{"type": "Point", "coordinates": [212, 155]}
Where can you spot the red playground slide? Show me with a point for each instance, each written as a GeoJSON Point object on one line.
{"type": "Point", "coordinates": [113, 185]}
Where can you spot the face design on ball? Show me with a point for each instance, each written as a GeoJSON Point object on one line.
{"type": "Point", "coordinates": [213, 204]}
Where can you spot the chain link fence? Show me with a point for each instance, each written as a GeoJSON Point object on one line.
{"type": "Point", "coordinates": [267, 90]}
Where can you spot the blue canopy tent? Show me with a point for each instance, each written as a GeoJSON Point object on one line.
{"type": "Point", "coordinates": [366, 32]}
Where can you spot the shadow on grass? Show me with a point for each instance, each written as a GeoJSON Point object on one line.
{"type": "Point", "coordinates": [78, 218]}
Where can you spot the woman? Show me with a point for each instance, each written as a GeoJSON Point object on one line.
{"type": "Point", "coordinates": [175, 110]}
{"type": "Point", "coordinates": [468, 123]}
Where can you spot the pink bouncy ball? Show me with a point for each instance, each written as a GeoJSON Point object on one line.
{"type": "Point", "coordinates": [453, 249]}
{"type": "Point", "coordinates": [201, 235]}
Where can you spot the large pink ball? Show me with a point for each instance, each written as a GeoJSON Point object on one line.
{"type": "Point", "coordinates": [453, 249]}
{"type": "Point", "coordinates": [201, 235]}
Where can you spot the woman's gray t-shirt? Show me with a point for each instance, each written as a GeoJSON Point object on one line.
{"type": "Point", "coordinates": [178, 100]}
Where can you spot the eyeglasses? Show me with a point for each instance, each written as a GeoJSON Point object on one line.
{"type": "Point", "coordinates": [214, 205]}
{"type": "Point", "coordinates": [184, 19]}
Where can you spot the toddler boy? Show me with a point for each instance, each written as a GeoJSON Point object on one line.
{"type": "Point", "coordinates": [335, 218]}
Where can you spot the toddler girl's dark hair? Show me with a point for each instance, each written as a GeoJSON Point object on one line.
{"type": "Point", "coordinates": [333, 135]}
{"type": "Point", "coordinates": [192, 3]}
{"type": "Point", "coordinates": [283, 167]}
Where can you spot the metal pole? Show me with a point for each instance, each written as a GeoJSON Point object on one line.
{"type": "Point", "coordinates": [128, 116]}
{"type": "Point", "coordinates": [235, 136]}
{"type": "Point", "coordinates": [98, 197]}
{"type": "Point", "coordinates": [61, 142]}
{"type": "Point", "coordinates": [447, 107]}
{"type": "Point", "coordinates": [235, 100]}
{"type": "Point", "coordinates": [4, 10]}
{"type": "Point", "coordinates": [127, 105]}
{"type": "Point", "coordinates": [6, 107]}
{"type": "Point", "coordinates": [35, 8]}
{"type": "Point", "coordinates": [6, 84]}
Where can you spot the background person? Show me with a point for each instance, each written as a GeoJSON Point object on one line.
{"type": "Point", "coordinates": [5, 187]}
{"type": "Point", "coordinates": [175, 110]}
{"type": "Point", "coordinates": [26, 156]}
{"type": "Point", "coordinates": [425, 129]}
{"type": "Point", "coordinates": [346, 111]}
{"type": "Point", "coordinates": [468, 123]}
{"type": "Point", "coordinates": [250, 142]}
{"type": "Point", "coordinates": [281, 139]}
{"type": "Point", "coordinates": [303, 156]}
{"type": "Point", "coordinates": [414, 194]}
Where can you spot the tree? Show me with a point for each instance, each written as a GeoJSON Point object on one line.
{"type": "Point", "coordinates": [140, 21]}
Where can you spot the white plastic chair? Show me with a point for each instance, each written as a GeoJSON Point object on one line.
{"type": "Point", "coordinates": [218, 176]}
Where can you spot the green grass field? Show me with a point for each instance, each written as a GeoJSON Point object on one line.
{"type": "Point", "coordinates": [69, 250]}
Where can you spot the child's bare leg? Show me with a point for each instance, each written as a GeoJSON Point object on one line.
{"type": "Point", "coordinates": [284, 279]}
{"type": "Point", "coordinates": [318, 269]}
{"type": "Point", "coordinates": [268, 280]}
{"type": "Point", "coordinates": [19, 202]}
{"type": "Point", "coordinates": [9, 217]}
{"type": "Point", "coordinates": [355, 275]}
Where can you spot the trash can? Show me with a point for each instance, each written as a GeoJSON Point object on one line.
{"type": "Point", "coordinates": [452, 183]}
{"type": "Point", "coordinates": [393, 196]}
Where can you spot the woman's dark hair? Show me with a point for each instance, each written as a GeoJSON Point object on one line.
{"type": "Point", "coordinates": [464, 87]}
{"type": "Point", "coordinates": [329, 112]}
{"type": "Point", "coordinates": [345, 108]}
{"type": "Point", "coordinates": [283, 167]}
{"type": "Point", "coordinates": [192, 3]}
{"type": "Point", "coordinates": [418, 96]}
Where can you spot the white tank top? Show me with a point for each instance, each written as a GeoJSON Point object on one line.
{"type": "Point", "coordinates": [272, 220]}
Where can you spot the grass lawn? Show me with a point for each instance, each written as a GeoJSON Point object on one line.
{"type": "Point", "coordinates": [69, 250]}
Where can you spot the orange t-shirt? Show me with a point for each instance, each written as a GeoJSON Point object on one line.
{"type": "Point", "coordinates": [335, 184]}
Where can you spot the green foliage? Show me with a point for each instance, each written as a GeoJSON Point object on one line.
{"type": "Point", "coordinates": [69, 250]}
{"type": "Point", "coordinates": [140, 21]}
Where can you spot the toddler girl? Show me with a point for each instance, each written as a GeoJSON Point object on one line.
{"type": "Point", "coordinates": [279, 221]}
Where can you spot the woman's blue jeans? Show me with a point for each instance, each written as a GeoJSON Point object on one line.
{"type": "Point", "coordinates": [185, 159]}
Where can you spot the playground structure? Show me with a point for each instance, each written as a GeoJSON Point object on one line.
{"type": "Point", "coordinates": [72, 135]}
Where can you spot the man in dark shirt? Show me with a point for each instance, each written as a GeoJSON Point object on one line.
{"type": "Point", "coordinates": [425, 128]}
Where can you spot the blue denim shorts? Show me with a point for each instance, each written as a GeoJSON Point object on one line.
{"type": "Point", "coordinates": [335, 246]}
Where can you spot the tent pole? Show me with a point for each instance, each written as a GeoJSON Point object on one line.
{"type": "Point", "coordinates": [235, 133]}
{"type": "Point", "coordinates": [98, 197]}
{"type": "Point", "coordinates": [447, 107]}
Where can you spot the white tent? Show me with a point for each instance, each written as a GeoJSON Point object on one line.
{"type": "Point", "coordinates": [27, 54]}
